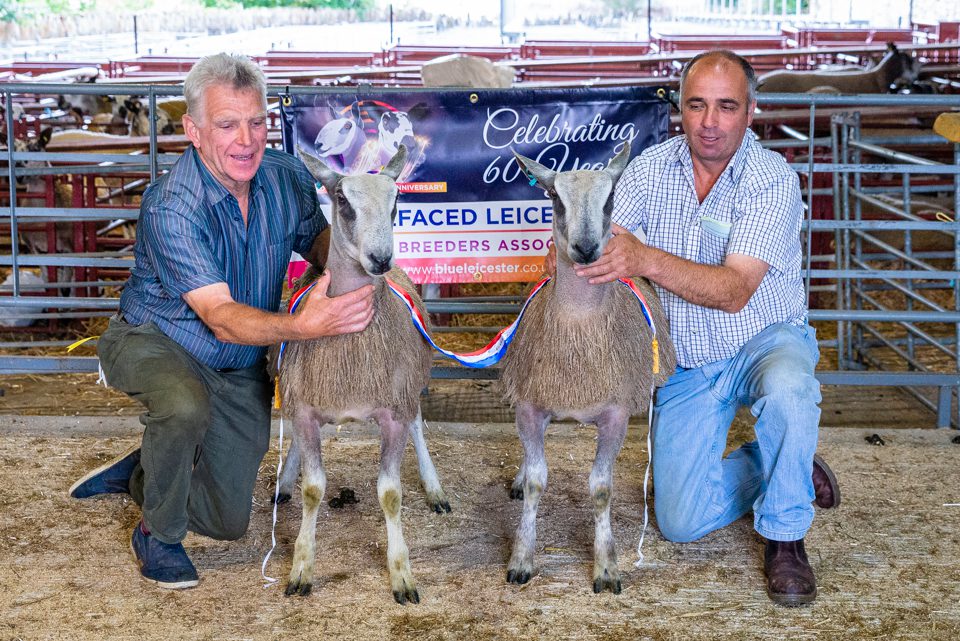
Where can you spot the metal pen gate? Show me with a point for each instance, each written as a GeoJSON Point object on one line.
{"type": "Point", "coordinates": [882, 258]}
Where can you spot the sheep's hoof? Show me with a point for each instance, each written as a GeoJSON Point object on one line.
{"type": "Point", "coordinates": [606, 582]}
{"type": "Point", "coordinates": [409, 596]}
{"type": "Point", "coordinates": [518, 576]}
{"type": "Point", "coordinates": [440, 506]}
{"type": "Point", "coordinates": [280, 498]}
{"type": "Point", "coordinates": [516, 493]}
{"type": "Point", "coordinates": [295, 587]}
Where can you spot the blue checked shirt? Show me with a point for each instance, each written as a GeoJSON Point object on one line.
{"type": "Point", "coordinates": [753, 209]}
{"type": "Point", "coordinates": [191, 234]}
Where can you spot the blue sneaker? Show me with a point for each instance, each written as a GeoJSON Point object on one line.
{"type": "Point", "coordinates": [166, 565]}
{"type": "Point", "coordinates": [110, 478]}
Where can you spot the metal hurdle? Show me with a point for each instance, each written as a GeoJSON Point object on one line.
{"type": "Point", "coordinates": [876, 342]}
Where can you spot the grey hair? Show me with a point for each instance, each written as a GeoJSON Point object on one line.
{"type": "Point", "coordinates": [234, 70]}
{"type": "Point", "coordinates": [729, 56]}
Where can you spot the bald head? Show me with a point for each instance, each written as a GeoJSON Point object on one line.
{"type": "Point", "coordinates": [722, 57]}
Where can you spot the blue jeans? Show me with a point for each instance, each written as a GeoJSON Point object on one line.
{"type": "Point", "coordinates": [698, 490]}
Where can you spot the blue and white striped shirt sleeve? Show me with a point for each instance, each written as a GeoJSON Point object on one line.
{"type": "Point", "coordinates": [183, 260]}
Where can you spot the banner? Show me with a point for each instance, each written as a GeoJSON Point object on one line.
{"type": "Point", "coordinates": [466, 212]}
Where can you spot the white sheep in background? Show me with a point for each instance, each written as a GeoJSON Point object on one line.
{"type": "Point", "coordinates": [374, 374]}
{"type": "Point", "coordinates": [19, 316]}
{"type": "Point", "coordinates": [584, 352]}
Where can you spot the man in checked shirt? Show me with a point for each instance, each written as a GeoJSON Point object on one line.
{"type": "Point", "coordinates": [213, 242]}
{"type": "Point", "coordinates": [721, 218]}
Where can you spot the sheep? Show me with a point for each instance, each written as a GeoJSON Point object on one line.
{"type": "Point", "coordinates": [584, 352]}
{"type": "Point", "coordinates": [896, 68]}
{"type": "Point", "coordinates": [123, 114]}
{"type": "Point", "coordinates": [139, 117]}
{"type": "Point", "coordinates": [20, 316]}
{"type": "Point", "coordinates": [374, 374]}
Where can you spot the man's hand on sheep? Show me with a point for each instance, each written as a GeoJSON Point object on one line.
{"type": "Point", "coordinates": [319, 315]}
{"type": "Point", "coordinates": [623, 257]}
{"type": "Point", "coordinates": [322, 315]}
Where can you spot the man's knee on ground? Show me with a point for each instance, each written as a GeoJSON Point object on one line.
{"type": "Point", "coordinates": [235, 526]}
{"type": "Point", "coordinates": [790, 390]}
{"type": "Point", "coordinates": [183, 402]}
{"type": "Point", "coordinates": [228, 526]}
{"type": "Point", "coordinates": [677, 526]}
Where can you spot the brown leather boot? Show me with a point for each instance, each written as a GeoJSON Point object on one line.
{"type": "Point", "coordinates": [825, 486]}
{"type": "Point", "coordinates": [790, 579]}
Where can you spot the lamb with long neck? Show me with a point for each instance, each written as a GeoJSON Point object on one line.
{"type": "Point", "coordinates": [376, 374]}
{"type": "Point", "coordinates": [583, 352]}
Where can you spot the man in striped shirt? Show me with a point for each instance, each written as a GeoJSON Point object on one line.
{"type": "Point", "coordinates": [721, 220]}
{"type": "Point", "coordinates": [213, 242]}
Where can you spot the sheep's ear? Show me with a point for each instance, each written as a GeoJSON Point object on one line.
{"type": "Point", "coordinates": [396, 164]}
{"type": "Point", "coordinates": [618, 163]}
{"type": "Point", "coordinates": [327, 177]}
{"type": "Point", "coordinates": [535, 170]}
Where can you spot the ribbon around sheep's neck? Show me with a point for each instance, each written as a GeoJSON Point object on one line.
{"type": "Point", "coordinates": [495, 349]}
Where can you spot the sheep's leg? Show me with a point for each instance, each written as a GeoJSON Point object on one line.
{"type": "Point", "coordinates": [531, 425]}
{"type": "Point", "coordinates": [436, 499]}
{"type": "Point", "coordinates": [307, 436]}
{"type": "Point", "coordinates": [611, 430]}
{"type": "Point", "coordinates": [516, 488]}
{"type": "Point", "coordinates": [393, 440]}
{"type": "Point", "coordinates": [289, 474]}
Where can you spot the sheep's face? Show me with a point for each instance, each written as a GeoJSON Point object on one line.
{"type": "Point", "coordinates": [364, 207]}
{"type": "Point", "coordinates": [363, 213]}
{"type": "Point", "coordinates": [582, 205]}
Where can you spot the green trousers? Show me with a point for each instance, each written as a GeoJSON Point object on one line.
{"type": "Point", "coordinates": [206, 432]}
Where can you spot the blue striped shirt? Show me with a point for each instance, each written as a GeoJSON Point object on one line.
{"type": "Point", "coordinates": [754, 209]}
{"type": "Point", "coordinates": [191, 234]}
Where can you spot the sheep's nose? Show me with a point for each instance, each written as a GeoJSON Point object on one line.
{"type": "Point", "coordinates": [586, 251]}
{"type": "Point", "coordinates": [379, 264]}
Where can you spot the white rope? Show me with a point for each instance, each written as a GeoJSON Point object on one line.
{"type": "Point", "coordinates": [276, 494]}
{"type": "Point", "coordinates": [646, 479]}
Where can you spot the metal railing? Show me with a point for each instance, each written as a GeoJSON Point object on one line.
{"type": "Point", "coordinates": [894, 304]}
